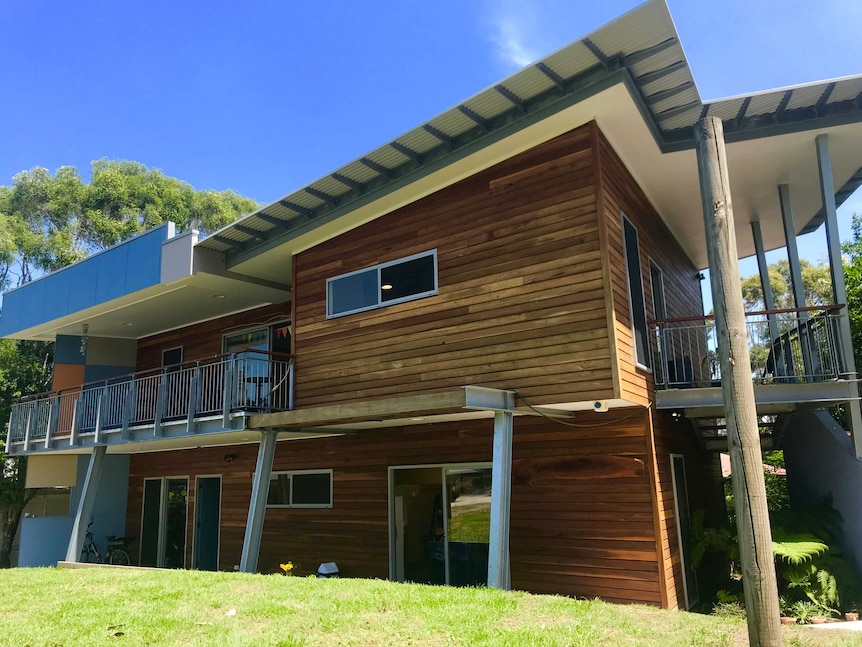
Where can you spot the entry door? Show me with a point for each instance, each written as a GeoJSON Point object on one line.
{"type": "Point", "coordinates": [207, 516]}
{"type": "Point", "coordinates": [163, 522]}
{"type": "Point", "coordinates": [441, 524]}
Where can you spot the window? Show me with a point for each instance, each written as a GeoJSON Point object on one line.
{"type": "Point", "coordinates": [406, 279]}
{"type": "Point", "coordinates": [636, 293]}
{"type": "Point", "coordinates": [306, 489]}
{"type": "Point", "coordinates": [172, 356]}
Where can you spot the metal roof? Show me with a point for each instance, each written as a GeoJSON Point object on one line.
{"type": "Point", "coordinates": [640, 48]}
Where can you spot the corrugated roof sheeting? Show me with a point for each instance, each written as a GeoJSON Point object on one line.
{"type": "Point", "coordinates": [571, 61]}
{"type": "Point", "coordinates": [330, 186]}
{"type": "Point", "coordinates": [678, 99]}
{"type": "Point", "coordinates": [420, 141]}
{"type": "Point", "coordinates": [846, 90]}
{"type": "Point", "coordinates": [643, 27]}
{"type": "Point", "coordinates": [387, 157]}
{"type": "Point", "coordinates": [453, 123]}
{"type": "Point", "coordinates": [764, 104]}
{"type": "Point", "coordinates": [356, 170]}
{"type": "Point", "coordinates": [685, 119]}
{"type": "Point", "coordinates": [530, 83]}
{"type": "Point", "coordinates": [807, 96]}
{"type": "Point", "coordinates": [489, 104]}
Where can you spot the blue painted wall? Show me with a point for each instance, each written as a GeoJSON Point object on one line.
{"type": "Point", "coordinates": [820, 462]}
{"type": "Point", "coordinates": [44, 540]}
{"type": "Point", "coordinates": [115, 272]}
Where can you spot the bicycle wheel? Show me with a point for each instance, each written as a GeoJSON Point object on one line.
{"type": "Point", "coordinates": [119, 557]}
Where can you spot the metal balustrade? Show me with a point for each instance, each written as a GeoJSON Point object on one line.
{"type": "Point", "coordinates": [785, 347]}
{"type": "Point", "coordinates": [250, 381]}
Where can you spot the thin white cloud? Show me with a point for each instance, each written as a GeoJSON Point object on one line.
{"type": "Point", "coordinates": [510, 24]}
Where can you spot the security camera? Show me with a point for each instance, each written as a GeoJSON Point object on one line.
{"type": "Point", "coordinates": [600, 406]}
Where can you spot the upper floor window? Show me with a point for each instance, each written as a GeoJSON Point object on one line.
{"type": "Point", "coordinates": [406, 279]}
{"type": "Point", "coordinates": [636, 294]}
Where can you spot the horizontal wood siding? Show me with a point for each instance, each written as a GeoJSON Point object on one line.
{"type": "Point", "coordinates": [582, 518]}
{"type": "Point", "coordinates": [622, 195]}
{"type": "Point", "coordinates": [204, 340]}
{"type": "Point", "coordinates": [520, 303]}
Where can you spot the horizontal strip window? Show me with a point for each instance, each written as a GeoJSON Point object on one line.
{"type": "Point", "coordinates": [405, 279]}
{"type": "Point", "coordinates": [305, 489]}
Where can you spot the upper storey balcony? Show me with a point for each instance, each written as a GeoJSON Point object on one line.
{"type": "Point", "coordinates": [796, 361]}
{"type": "Point", "coordinates": [182, 400]}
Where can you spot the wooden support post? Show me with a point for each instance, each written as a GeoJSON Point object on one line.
{"type": "Point", "coordinates": [86, 503]}
{"type": "Point", "coordinates": [752, 516]}
{"type": "Point", "coordinates": [501, 495]}
{"type": "Point", "coordinates": [257, 505]}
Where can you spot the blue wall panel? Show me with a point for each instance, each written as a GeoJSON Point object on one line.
{"type": "Point", "coordinates": [97, 373]}
{"type": "Point", "coordinates": [115, 272]}
{"type": "Point", "coordinates": [44, 540]}
{"type": "Point", "coordinates": [68, 350]}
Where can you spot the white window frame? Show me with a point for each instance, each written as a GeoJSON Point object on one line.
{"type": "Point", "coordinates": [640, 365]}
{"type": "Point", "coordinates": [380, 302]}
{"type": "Point", "coordinates": [291, 474]}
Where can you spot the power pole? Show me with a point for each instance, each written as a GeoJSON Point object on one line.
{"type": "Point", "coordinates": [743, 438]}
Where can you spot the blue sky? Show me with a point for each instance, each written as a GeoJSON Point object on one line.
{"type": "Point", "coordinates": [263, 97]}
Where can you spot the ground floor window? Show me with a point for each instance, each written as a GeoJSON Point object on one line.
{"type": "Point", "coordinates": [300, 489]}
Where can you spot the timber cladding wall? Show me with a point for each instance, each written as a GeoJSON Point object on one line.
{"type": "Point", "coordinates": [582, 517]}
{"type": "Point", "coordinates": [204, 340]}
{"type": "Point", "coordinates": [520, 302]}
{"type": "Point", "coordinates": [622, 195]}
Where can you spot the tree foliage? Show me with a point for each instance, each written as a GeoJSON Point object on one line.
{"type": "Point", "coordinates": [852, 257]}
{"type": "Point", "coordinates": [49, 221]}
{"type": "Point", "coordinates": [816, 283]}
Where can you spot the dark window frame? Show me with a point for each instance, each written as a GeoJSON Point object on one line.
{"type": "Point", "coordinates": [291, 474]}
{"type": "Point", "coordinates": [637, 298]}
{"type": "Point", "coordinates": [381, 302]}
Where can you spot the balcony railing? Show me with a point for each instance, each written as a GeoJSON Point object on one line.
{"type": "Point", "coordinates": [785, 347]}
{"type": "Point", "coordinates": [252, 380]}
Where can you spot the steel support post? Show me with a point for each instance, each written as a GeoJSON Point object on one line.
{"type": "Point", "coordinates": [765, 284]}
{"type": "Point", "coordinates": [86, 503]}
{"type": "Point", "coordinates": [839, 289]}
{"type": "Point", "coordinates": [501, 495]}
{"type": "Point", "coordinates": [257, 505]}
{"type": "Point", "coordinates": [795, 269]}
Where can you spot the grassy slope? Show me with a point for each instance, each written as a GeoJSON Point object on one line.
{"type": "Point", "coordinates": [110, 607]}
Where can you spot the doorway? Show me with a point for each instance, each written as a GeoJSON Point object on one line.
{"type": "Point", "coordinates": [441, 520]}
{"type": "Point", "coordinates": [207, 522]}
{"type": "Point", "coordinates": [163, 522]}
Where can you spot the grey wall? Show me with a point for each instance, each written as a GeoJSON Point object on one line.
{"type": "Point", "coordinates": [819, 459]}
{"type": "Point", "coordinates": [44, 540]}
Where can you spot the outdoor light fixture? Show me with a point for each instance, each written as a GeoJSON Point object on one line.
{"type": "Point", "coordinates": [386, 286]}
{"type": "Point", "coordinates": [218, 296]}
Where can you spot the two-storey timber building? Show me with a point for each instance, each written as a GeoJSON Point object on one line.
{"type": "Point", "coordinates": [477, 354]}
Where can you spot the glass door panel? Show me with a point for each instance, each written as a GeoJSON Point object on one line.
{"type": "Point", "coordinates": [468, 512]}
{"type": "Point", "coordinates": [176, 492]}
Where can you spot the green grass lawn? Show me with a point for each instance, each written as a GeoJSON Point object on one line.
{"type": "Point", "coordinates": [52, 607]}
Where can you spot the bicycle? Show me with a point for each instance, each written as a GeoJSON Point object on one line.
{"type": "Point", "coordinates": [116, 553]}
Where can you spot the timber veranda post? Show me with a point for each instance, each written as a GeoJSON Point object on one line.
{"type": "Point", "coordinates": [749, 491]}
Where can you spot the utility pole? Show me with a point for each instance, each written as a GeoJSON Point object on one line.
{"type": "Point", "coordinates": [743, 438]}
